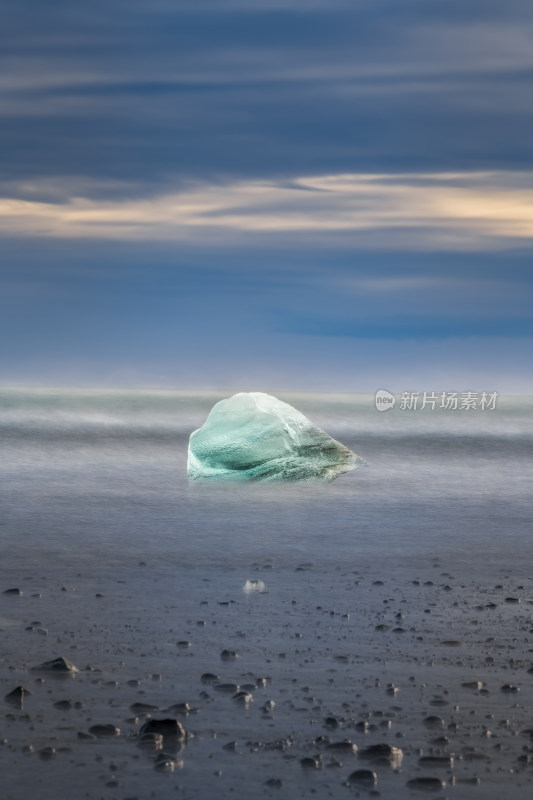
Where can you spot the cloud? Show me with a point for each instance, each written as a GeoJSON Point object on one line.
{"type": "Point", "coordinates": [424, 51]}
{"type": "Point", "coordinates": [450, 211]}
{"type": "Point", "coordinates": [142, 91]}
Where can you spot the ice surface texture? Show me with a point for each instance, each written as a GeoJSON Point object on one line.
{"type": "Point", "coordinates": [254, 436]}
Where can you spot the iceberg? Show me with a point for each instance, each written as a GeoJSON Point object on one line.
{"type": "Point", "coordinates": [253, 436]}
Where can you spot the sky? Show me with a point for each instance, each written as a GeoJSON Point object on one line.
{"type": "Point", "coordinates": [323, 195]}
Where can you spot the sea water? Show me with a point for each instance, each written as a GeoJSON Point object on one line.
{"type": "Point", "coordinates": [102, 474]}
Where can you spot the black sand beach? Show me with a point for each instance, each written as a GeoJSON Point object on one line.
{"type": "Point", "coordinates": [359, 682]}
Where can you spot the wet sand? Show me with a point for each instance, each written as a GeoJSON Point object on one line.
{"type": "Point", "coordinates": [280, 691]}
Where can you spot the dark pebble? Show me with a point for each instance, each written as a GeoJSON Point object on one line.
{"type": "Point", "coordinates": [433, 721]}
{"type": "Point", "coordinates": [142, 708]}
{"type": "Point", "coordinates": [382, 751]}
{"type": "Point", "coordinates": [436, 761]}
{"type": "Point", "coordinates": [166, 727]}
{"type": "Point", "coordinates": [309, 763]}
{"type": "Point", "coordinates": [345, 747]}
{"type": "Point", "coordinates": [274, 783]}
{"type": "Point", "coordinates": [365, 777]}
{"type": "Point", "coordinates": [63, 705]}
{"type": "Point", "coordinates": [209, 677]}
{"type": "Point", "coordinates": [226, 687]}
{"type": "Point", "coordinates": [441, 741]}
{"type": "Point", "coordinates": [16, 697]}
{"type": "Point", "coordinates": [57, 665]}
{"type": "Point", "coordinates": [245, 698]}
{"type": "Point", "coordinates": [47, 753]}
{"type": "Point", "coordinates": [228, 655]}
{"type": "Point", "coordinates": [14, 591]}
{"type": "Point", "coordinates": [231, 747]}
{"type": "Point", "coordinates": [104, 731]}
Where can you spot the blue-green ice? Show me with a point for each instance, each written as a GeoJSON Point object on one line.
{"type": "Point", "coordinates": [254, 436]}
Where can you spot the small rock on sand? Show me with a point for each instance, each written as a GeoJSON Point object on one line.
{"type": "Point", "coordinates": [309, 763]}
{"type": "Point", "coordinates": [104, 731]}
{"type": "Point", "coordinates": [57, 665]}
{"type": "Point", "coordinates": [383, 752]}
{"type": "Point", "coordinates": [142, 708]}
{"type": "Point", "coordinates": [63, 705]}
{"type": "Point", "coordinates": [209, 677]}
{"type": "Point", "coordinates": [227, 687]}
{"type": "Point", "coordinates": [364, 777]}
{"type": "Point", "coordinates": [166, 727]}
{"type": "Point", "coordinates": [17, 696]}
{"type": "Point", "coordinates": [47, 753]}
{"type": "Point", "coordinates": [244, 698]}
{"type": "Point", "coordinates": [345, 747]}
{"type": "Point", "coordinates": [433, 721]}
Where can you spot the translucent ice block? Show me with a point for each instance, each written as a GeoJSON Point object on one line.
{"type": "Point", "coordinates": [254, 436]}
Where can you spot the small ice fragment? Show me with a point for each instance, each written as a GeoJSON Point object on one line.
{"type": "Point", "coordinates": [253, 586]}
